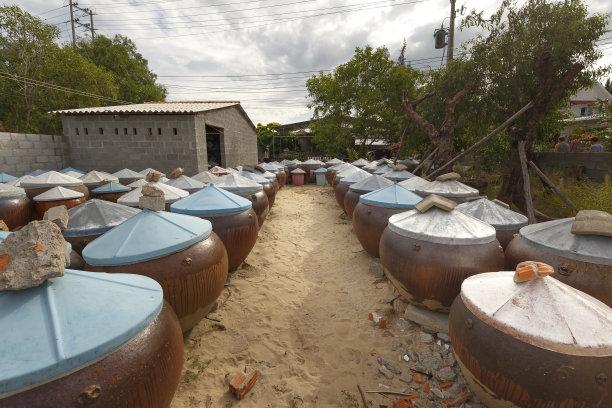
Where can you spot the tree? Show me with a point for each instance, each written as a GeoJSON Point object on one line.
{"type": "Point", "coordinates": [129, 68]}
{"type": "Point", "coordinates": [401, 60]}
{"type": "Point", "coordinates": [265, 136]}
{"type": "Point", "coordinates": [359, 100]}
{"type": "Point", "coordinates": [541, 52]}
{"type": "Point", "coordinates": [608, 85]}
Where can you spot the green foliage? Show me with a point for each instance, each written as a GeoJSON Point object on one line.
{"type": "Point", "coordinates": [349, 399]}
{"type": "Point", "coordinates": [265, 136]}
{"type": "Point", "coordinates": [196, 367]}
{"type": "Point", "coordinates": [608, 85]}
{"type": "Point", "coordinates": [360, 99]}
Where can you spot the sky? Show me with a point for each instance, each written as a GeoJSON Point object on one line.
{"type": "Point", "coordinates": [262, 52]}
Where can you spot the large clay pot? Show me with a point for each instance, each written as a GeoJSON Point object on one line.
{"type": "Point", "coordinates": [15, 207]}
{"type": "Point", "coordinates": [533, 344]}
{"type": "Point", "coordinates": [248, 189]}
{"type": "Point", "coordinates": [43, 182]}
{"type": "Point", "coordinates": [110, 191]}
{"type": "Point", "coordinates": [94, 179]}
{"type": "Point", "coordinates": [345, 182]}
{"type": "Point", "coordinates": [356, 190]}
{"type": "Point", "coordinates": [428, 255]}
{"type": "Point", "coordinates": [55, 197]}
{"type": "Point", "coordinates": [268, 187]}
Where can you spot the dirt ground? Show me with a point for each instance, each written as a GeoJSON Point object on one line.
{"type": "Point", "coordinates": [297, 312]}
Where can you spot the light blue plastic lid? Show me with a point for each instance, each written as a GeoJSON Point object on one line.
{"type": "Point", "coordinates": [111, 187]}
{"type": "Point", "coordinates": [211, 200]}
{"type": "Point", "coordinates": [4, 234]}
{"type": "Point", "coordinates": [372, 183]}
{"type": "Point", "coordinates": [5, 178]}
{"type": "Point", "coordinates": [147, 235]}
{"type": "Point", "coordinates": [321, 170]}
{"type": "Point", "coordinates": [67, 169]}
{"type": "Point", "coordinates": [95, 217]}
{"type": "Point", "coordinates": [65, 323]}
{"type": "Point", "coordinates": [394, 196]}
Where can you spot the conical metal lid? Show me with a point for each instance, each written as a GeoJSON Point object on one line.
{"type": "Point", "coordinates": [372, 183]}
{"type": "Point", "coordinates": [73, 174]}
{"type": "Point", "coordinates": [71, 170]}
{"type": "Point", "coordinates": [340, 167]}
{"type": "Point", "coordinates": [111, 187]}
{"type": "Point", "coordinates": [68, 322]}
{"type": "Point", "coordinates": [58, 193]}
{"type": "Point", "coordinates": [5, 178]}
{"type": "Point", "coordinates": [238, 184]}
{"type": "Point", "coordinates": [371, 167]}
{"type": "Point", "coordinates": [450, 188]}
{"type": "Point", "coordinates": [333, 162]}
{"type": "Point", "coordinates": [211, 201]}
{"type": "Point", "coordinates": [17, 181]}
{"type": "Point", "coordinates": [171, 194]}
{"type": "Point", "coordinates": [383, 169]}
{"type": "Point", "coordinates": [413, 183]}
{"type": "Point", "coordinates": [441, 227]}
{"type": "Point", "coordinates": [95, 177]}
{"type": "Point", "coordinates": [50, 179]}
{"type": "Point", "coordinates": [146, 235]}
{"type": "Point", "coordinates": [185, 183]}
{"type": "Point", "coordinates": [205, 177]}
{"type": "Point", "coordinates": [394, 196]}
{"type": "Point", "coordinates": [298, 171]}
{"type": "Point", "coordinates": [8, 192]}
{"type": "Point", "coordinates": [312, 162]}
{"type": "Point", "coordinates": [543, 312]}
{"type": "Point", "coordinates": [255, 177]}
{"type": "Point", "coordinates": [554, 237]}
{"type": "Point", "coordinates": [347, 171]}
{"type": "Point", "coordinates": [149, 169]}
{"type": "Point", "coordinates": [355, 177]}
{"type": "Point", "coordinates": [501, 218]}
{"type": "Point", "coordinates": [37, 172]}
{"type": "Point", "coordinates": [95, 217]}
{"type": "Point", "coordinates": [128, 174]}
{"type": "Point", "coordinates": [137, 183]}
{"type": "Point", "coordinates": [398, 175]}
{"type": "Point", "coordinates": [360, 162]}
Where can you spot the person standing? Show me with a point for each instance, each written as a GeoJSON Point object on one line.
{"type": "Point", "coordinates": [597, 147]}
{"type": "Point", "coordinates": [562, 146]}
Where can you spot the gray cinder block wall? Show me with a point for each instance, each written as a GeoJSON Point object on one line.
{"type": "Point", "coordinates": [596, 166]}
{"type": "Point", "coordinates": [22, 153]}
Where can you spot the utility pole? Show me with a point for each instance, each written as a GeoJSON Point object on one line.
{"type": "Point", "coordinates": [91, 22]}
{"type": "Point", "coordinates": [85, 12]}
{"type": "Point", "coordinates": [72, 24]}
{"type": "Point", "coordinates": [451, 32]}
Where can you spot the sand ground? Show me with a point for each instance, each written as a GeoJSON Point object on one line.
{"type": "Point", "coordinates": [297, 312]}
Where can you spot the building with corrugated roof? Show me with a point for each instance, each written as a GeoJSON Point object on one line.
{"type": "Point", "coordinates": [162, 135]}
{"type": "Point", "coordinates": [587, 100]}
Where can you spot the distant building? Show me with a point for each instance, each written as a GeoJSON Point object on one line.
{"type": "Point", "coordinates": [162, 135]}
{"type": "Point", "coordinates": [586, 101]}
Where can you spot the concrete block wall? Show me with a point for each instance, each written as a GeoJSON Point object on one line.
{"type": "Point", "coordinates": [22, 153]}
{"type": "Point", "coordinates": [596, 165]}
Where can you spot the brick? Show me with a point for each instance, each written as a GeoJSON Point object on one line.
{"type": "Point", "coordinates": [242, 383]}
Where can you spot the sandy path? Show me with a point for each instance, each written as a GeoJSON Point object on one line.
{"type": "Point", "coordinates": [297, 313]}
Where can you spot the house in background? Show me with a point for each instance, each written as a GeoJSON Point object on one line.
{"type": "Point", "coordinates": [587, 101]}
{"type": "Point", "coordinates": [162, 135]}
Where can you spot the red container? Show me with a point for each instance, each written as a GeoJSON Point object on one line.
{"type": "Point", "coordinates": [297, 177]}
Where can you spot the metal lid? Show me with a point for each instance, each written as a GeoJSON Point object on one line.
{"type": "Point", "coordinates": [211, 200]}
{"type": "Point", "coordinates": [185, 183]}
{"type": "Point", "coordinates": [66, 323]}
{"type": "Point", "coordinates": [501, 218]}
{"type": "Point", "coordinates": [149, 169]}
{"type": "Point", "coordinates": [5, 178]}
{"type": "Point", "coordinates": [372, 183]}
{"type": "Point", "coordinates": [371, 167]}
{"type": "Point", "coordinates": [360, 162]}
{"type": "Point", "coordinates": [73, 174]}
{"type": "Point", "coordinates": [393, 196]}
{"type": "Point", "coordinates": [413, 183]}
{"type": "Point", "coordinates": [111, 187]}
{"type": "Point", "coordinates": [128, 174]}
{"type": "Point", "coordinates": [450, 188]}
{"type": "Point", "coordinates": [544, 312]}
{"type": "Point", "coordinates": [554, 237]}
{"type": "Point", "coordinates": [255, 177]}
{"type": "Point", "coordinates": [334, 161]}
{"type": "Point", "coordinates": [205, 177]}
{"type": "Point", "coordinates": [298, 171]}
{"type": "Point", "coordinates": [232, 170]}
{"type": "Point", "coordinates": [321, 170]}
{"type": "Point", "coordinates": [59, 193]}
{"type": "Point", "coordinates": [138, 183]}
{"type": "Point", "coordinates": [383, 169]}
{"type": "Point", "coordinates": [37, 172]}
{"type": "Point", "coordinates": [355, 177]}
{"type": "Point", "coordinates": [95, 217]}
{"type": "Point", "coordinates": [71, 169]}
{"type": "Point", "coordinates": [8, 192]}
{"type": "Point", "coordinates": [17, 181]}
{"type": "Point", "coordinates": [171, 194]}
{"type": "Point", "coordinates": [441, 227]}
{"type": "Point", "coordinates": [271, 167]}
{"type": "Point", "coordinates": [95, 177]}
{"type": "Point", "coordinates": [312, 162]}
{"type": "Point", "coordinates": [146, 235]}
{"type": "Point", "coordinates": [398, 175]}
{"type": "Point", "coordinates": [238, 184]}
{"type": "Point", "coordinates": [348, 171]}
{"type": "Point", "coordinates": [50, 179]}
{"type": "Point", "coordinates": [339, 167]}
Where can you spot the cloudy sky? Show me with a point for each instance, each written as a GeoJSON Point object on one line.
{"type": "Point", "coordinates": [262, 52]}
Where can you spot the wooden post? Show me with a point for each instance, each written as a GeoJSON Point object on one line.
{"type": "Point", "coordinates": [482, 141]}
{"type": "Point", "coordinates": [425, 160]}
{"type": "Point", "coordinates": [401, 142]}
{"type": "Point", "coordinates": [526, 184]}
{"type": "Point", "coordinates": [552, 186]}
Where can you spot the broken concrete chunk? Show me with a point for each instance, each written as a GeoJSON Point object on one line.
{"type": "Point", "coordinates": [151, 191]}
{"type": "Point", "coordinates": [434, 200]}
{"type": "Point", "coordinates": [152, 203]}
{"type": "Point", "coordinates": [446, 374]}
{"type": "Point", "coordinates": [32, 255]}
{"type": "Point", "coordinates": [592, 222]}
{"type": "Point", "coordinates": [385, 371]}
{"type": "Point", "coordinates": [426, 338]}
{"type": "Point", "coordinates": [176, 173]}
{"type": "Point", "coordinates": [434, 322]}
{"type": "Point", "coordinates": [406, 376]}
{"type": "Point", "coordinates": [390, 365]}
{"type": "Point", "coordinates": [449, 176]}
{"type": "Point", "coordinates": [57, 215]}
{"type": "Point", "coordinates": [153, 177]}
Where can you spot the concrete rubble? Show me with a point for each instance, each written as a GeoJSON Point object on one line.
{"type": "Point", "coordinates": [58, 215]}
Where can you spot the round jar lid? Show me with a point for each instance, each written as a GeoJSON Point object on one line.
{"type": "Point", "coordinates": [255, 177]}
{"type": "Point", "coordinates": [58, 193]}
{"type": "Point", "coordinates": [494, 214]}
{"type": "Point", "coordinates": [355, 177]}
{"type": "Point", "coordinates": [360, 162]}
{"type": "Point", "coordinates": [372, 183]}
{"type": "Point", "coordinates": [442, 227]}
{"type": "Point", "coordinates": [149, 169]}
{"type": "Point", "coordinates": [413, 183]}
{"type": "Point", "coordinates": [111, 187]}
{"type": "Point", "coordinates": [347, 171]}
{"type": "Point", "coordinates": [8, 192]}
{"type": "Point", "coordinates": [333, 162]}
{"type": "Point", "coordinates": [321, 170]}
{"type": "Point", "coordinates": [555, 237]}
{"type": "Point", "coordinates": [393, 196]}
{"type": "Point", "coordinates": [298, 171]}
{"type": "Point", "coordinates": [138, 183]}
{"type": "Point", "coordinates": [95, 217]}
{"type": "Point", "coordinates": [210, 201]}
{"type": "Point", "coordinates": [17, 181]}
{"type": "Point", "coordinates": [185, 183]}
{"type": "Point", "coordinates": [205, 177]}
{"type": "Point", "coordinates": [5, 178]}
{"type": "Point", "coordinates": [171, 194]}
{"type": "Point", "coordinates": [450, 188]}
{"type": "Point", "coordinates": [68, 322]}
{"type": "Point", "coordinates": [128, 174]}
{"type": "Point", "coordinates": [398, 175]}
{"type": "Point", "coordinates": [50, 179]}
{"type": "Point", "coordinates": [544, 312]}
{"type": "Point", "coordinates": [238, 184]}
{"type": "Point", "coordinates": [71, 170]}
{"type": "Point", "coordinates": [146, 235]}
{"type": "Point", "coordinates": [95, 177]}
{"type": "Point", "coordinates": [383, 169]}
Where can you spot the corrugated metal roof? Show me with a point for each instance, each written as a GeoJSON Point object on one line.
{"type": "Point", "coordinates": [154, 107]}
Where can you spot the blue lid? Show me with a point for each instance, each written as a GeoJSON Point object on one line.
{"type": "Point", "coordinates": [95, 217]}
{"type": "Point", "coordinates": [67, 169]}
{"type": "Point", "coordinates": [146, 235]}
{"type": "Point", "coordinates": [59, 326]}
{"type": "Point", "coordinates": [5, 178]}
{"type": "Point", "coordinates": [4, 234]}
{"type": "Point", "coordinates": [394, 196]}
{"type": "Point", "coordinates": [211, 200]}
{"type": "Point", "coordinates": [111, 187]}
{"type": "Point", "coordinates": [321, 170]}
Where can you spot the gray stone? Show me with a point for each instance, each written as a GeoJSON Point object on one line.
{"type": "Point", "coordinates": [406, 376]}
{"type": "Point", "coordinates": [396, 345]}
{"type": "Point", "coordinates": [434, 322]}
{"type": "Point", "coordinates": [32, 255]}
{"type": "Point", "coordinates": [385, 371]}
{"type": "Point", "coordinates": [444, 337]}
{"type": "Point", "coordinates": [446, 374]}
{"type": "Point", "coordinates": [437, 393]}
{"type": "Point", "coordinates": [152, 203]}
{"type": "Point", "coordinates": [449, 360]}
{"type": "Point", "coordinates": [430, 363]}
{"type": "Point", "coordinates": [57, 215]}
{"type": "Point", "coordinates": [376, 268]}
{"type": "Point", "coordinates": [413, 356]}
{"type": "Point", "coordinates": [403, 324]}
{"type": "Point", "coordinates": [390, 366]}
{"type": "Point", "coordinates": [426, 338]}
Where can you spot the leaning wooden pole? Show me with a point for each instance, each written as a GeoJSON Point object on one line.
{"type": "Point", "coordinates": [482, 141]}
{"type": "Point", "coordinates": [553, 187]}
{"type": "Point", "coordinates": [425, 160]}
{"type": "Point", "coordinates": [526, 184]}
{"type": "Point", "coordinates": [401, 141]}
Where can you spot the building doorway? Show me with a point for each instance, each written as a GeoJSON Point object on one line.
{"type": "Point", "coordinates": [214, 138]}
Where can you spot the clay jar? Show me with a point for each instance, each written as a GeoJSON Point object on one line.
{"type": "Point", "coordinates": [42, 182]}
{"type": "Point", "coordinates": [581, 261]}
{"type": "Point", "coordinates": [356, 190]}
{"type": "Point", "coordinates": [93, 218]}
{"type": "Point", "coordinates": [121, 344]}
{"type": "Point", "coordinates": [127, 176]}
{"type": "Point", "coordinates": [110, 191]}
{"type": "Point", "coordinates": [373, 211]}
{"type": "Point", "coordinates": [16, 209]}
{"type": "Point", "coordinates": [268, 187]}
{"type": "Point", "coordinates": [248, 189]}
{"type": "Point", "coordinates": [55, 197]}
{"type": "Point", "coordinates": [345, 182]}
{"type": "Point", "coordinates": [231, 216]}
{"type": "Point", "coordinates": [180, 252]}
{"type": "Point", "coordinates": [428, 255]}
{"type": "Point", "coordinates": [539, 343]}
